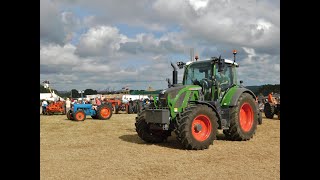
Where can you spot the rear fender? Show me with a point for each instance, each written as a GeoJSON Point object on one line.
{"type": "Point", "coordinates": [238, 93]}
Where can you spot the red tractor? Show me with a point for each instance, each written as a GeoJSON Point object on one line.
{"type": "Point", "coordinates": [55, 107]}
{"type": "Point", "coordinates": [118, 105]}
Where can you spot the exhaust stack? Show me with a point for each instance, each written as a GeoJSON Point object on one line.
{"type": "Point", "coordinates": [174, 74]}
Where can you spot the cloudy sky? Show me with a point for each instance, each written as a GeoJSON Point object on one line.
{"type": "Point", "coordinates": [100, 44]}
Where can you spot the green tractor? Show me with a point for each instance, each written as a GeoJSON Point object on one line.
{"type": "Point", "coordinates": [208, 99]}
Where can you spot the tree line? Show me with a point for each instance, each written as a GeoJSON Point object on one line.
{"type": "Point", "coordinates": [258, 90]}
{"type": "Point", "coordinates": [73, 93]}
{"type": "Point", "coordinates": [265, 89]}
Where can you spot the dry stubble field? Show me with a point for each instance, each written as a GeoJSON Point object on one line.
{"type": "Point", "coordinates": [111, 149]}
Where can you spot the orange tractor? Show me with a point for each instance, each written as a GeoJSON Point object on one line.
{"type": "Point", "coordinates": [272, 107]}
{"type": "Point", "coordinates": [118, 105]}
{"type": "Point", "coordinates": [55, 107]}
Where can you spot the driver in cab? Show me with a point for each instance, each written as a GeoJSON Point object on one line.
{"type": "Point", "coordinates": [223, 79]}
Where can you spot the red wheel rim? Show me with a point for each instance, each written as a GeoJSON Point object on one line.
{"type": "Point", "coordinates": [246, 117]}
{"type": "Point", "coordinates": [79, 116]}
{"type": "Point", "coordinates": [201, 127]}
{"type": "Point", "coordinates": [105, 112]}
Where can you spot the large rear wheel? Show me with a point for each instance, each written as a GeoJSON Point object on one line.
{"type": "Point", "coordinates": [243, 120]}
{"type": "Point", "coordinates": [197, 127]}
{"type": "Point", "coordinates": [104, 111]}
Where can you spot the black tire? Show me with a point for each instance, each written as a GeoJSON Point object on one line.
{"type": "Point", "coordinates": [140, 107]}
{"type": "Point", "coordinates": [70, 115]}
{"type": "Point", "coordinates": [133, 110]}
{"type": "Point", "coordinates": [147, 134]}
{"type": "Point", "coordinates": [186, 131]}
{"type": "Point", "coordinates": [95, 116]}
{"type": "Point", "coordinates": [238, 131]}
{"type": "Point", "coordinates": [79, 115]}
{"type": "Point", "coordinates": [104, 111]}
{"type": "Point", "coordinates": [260, 118]}
{"type": "Point", "coordinates": [116, 109]}
{"type": "Point", "coordinates": [137, 110]}
{"type": "Point", "coordinates": [129, 111]}
{"type": "Point", "coordinates": [269, 110]}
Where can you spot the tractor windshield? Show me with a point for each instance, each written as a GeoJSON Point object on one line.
{"type": "Point", "coordinates": [196, 72]}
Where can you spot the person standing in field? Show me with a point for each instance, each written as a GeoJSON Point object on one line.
{"type": "Point", "coordinates": [271, 99]}
{"type": "Point", "coordinates": [68, 105]}
{"type": "Point", "coordinates": [44, 105]}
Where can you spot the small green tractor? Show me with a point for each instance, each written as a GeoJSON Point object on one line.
{"type": "Point", "coordinates": [208, 99]}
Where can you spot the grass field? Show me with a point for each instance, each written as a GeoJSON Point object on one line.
{"type": "Point", "coordinates": [111, 149]}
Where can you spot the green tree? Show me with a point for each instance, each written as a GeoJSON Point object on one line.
{"type": "Point", "coordinates": [46, 90]}
{"type": "Point", "coordinates": [75, 93]}
{"type": "Point", "coordinates": [89, 92]}
{"type": "Point", "coordinates": [267, 88]}
{"type": "Point", "coordinates": [43, 90]}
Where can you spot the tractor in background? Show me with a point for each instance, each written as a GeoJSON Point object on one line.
{"type": "Point", "coordinates": [118, 105]}
{"type": "Point", "coordinates": [78, 112]}
{"type": "Point", "coordinates": [272, 107]}
{"type": "Point", "coordinates": [55, 107]}
{"type": "Point", "coordinates": [208, 99]}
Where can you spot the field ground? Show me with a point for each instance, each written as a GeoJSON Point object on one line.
{"type": "Point", "coordinates": [111, 149]}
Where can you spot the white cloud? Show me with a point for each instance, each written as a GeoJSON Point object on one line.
{"type": "Point", "coordinates": [76, 45]}
{"type": "Point", "coordinates": [51, 27]}
{"type": "Point", "coordinates": [256, 69]}
{"type": "Point", "coordinates": [100, 41]}
{"type": "Point", "coordinates": [198, 4]}
{"type": "Point", "coordinates": [58, 55]}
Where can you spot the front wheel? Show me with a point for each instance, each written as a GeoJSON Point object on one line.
{"type": "Point", "coordinates": [197, 127]}
{"type": "Point", "coordinates": [147, 134]}
{"type": "Point", "coordinates": [79, 115]}
{"type": "Point", "coordinates": [69, 115]}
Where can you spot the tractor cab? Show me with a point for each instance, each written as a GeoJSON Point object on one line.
{"type": "Point", "coordinates": [214, 75]}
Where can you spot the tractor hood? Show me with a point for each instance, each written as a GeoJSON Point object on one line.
{"type": "Point", "coordinates": [175, 96]}
{"type": "Point", "coordinates": [173, 91]}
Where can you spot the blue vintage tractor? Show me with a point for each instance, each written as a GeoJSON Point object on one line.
{"type": "Point", "coordinates": [79, 112]}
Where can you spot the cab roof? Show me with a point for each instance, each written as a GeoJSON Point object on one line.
{"type": "Point", "coordinates": [227, 61]}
